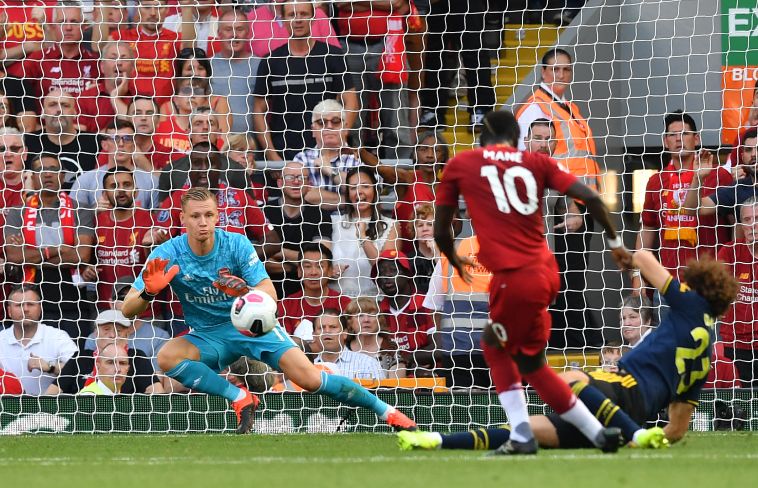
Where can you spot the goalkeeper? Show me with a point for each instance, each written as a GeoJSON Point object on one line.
{"type": "Point", "coordinates": [207, 268]}
{"type": "Point", "coordinates": [668, 368]}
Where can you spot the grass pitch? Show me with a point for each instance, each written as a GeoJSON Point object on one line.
{"type": "Point", "coordinates": [357, 461]}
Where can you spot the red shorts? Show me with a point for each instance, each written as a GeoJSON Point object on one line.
{"type": "Point", "coordinates": [519, 299]}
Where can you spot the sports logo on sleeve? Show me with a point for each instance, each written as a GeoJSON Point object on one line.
{"type": "Point", "coordinates": [163, 216]}
{"type": "Point", "coordinates": [253, 259]}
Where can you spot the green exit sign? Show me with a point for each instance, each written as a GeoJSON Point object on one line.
{"type": "Point", "coordinates": [740, 32]}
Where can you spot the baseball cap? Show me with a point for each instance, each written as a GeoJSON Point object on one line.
{"type": "Point", "coordinates": [123, 282]}
{"type": "Point", "coordinates": [112, 317]}
{"type": "Point", "coordinates": [392, 255]}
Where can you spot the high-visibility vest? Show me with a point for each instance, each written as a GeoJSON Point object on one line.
{"type": "Point", "coordinates": [575, 145]}
{"type": "Point", "coordinates": [95, 388]}
{"type": "Point", "coordinates": [466, 308]}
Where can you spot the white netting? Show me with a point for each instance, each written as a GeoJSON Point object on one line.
{"type": "Point", "coordinates": [331, 130]}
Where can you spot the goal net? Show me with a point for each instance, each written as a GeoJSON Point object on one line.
{"type": "Point", "coordinates": [322, 130]}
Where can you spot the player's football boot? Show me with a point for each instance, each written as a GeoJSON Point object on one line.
{"type": "Point", "coordinates": [410, 440]}
{"type": "Point", "coordinates": [653, 438]}
{"type": "Point", "coordinates": [399, 421]}
{"type": "Point", "coordinates": [514, 448]}
{"type": "Point", "coordinates": [245, 410]}
{"type": "Point", "coordinates": [609, 439]}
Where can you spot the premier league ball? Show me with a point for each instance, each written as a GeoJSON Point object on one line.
{"type": "Point", "coordinates": [254, 313]}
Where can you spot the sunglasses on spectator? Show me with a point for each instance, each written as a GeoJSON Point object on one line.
{"type": "Point", "coordinates": [121, 138]}
{"type": "Point", "coordinates": [191, 91]}
{"type": "Point", "coordinates": [11, 149]}
{"type": "Point", "coordinates": [334, 122]}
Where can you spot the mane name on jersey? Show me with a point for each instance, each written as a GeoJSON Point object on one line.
{"type": "Point", "coordinates": [513, 157]}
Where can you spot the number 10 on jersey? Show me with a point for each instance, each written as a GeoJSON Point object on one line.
{"type": "Point", "coordinates": [505, 191]}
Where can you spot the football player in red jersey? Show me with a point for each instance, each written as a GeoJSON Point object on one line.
{"type": "Point", "coordinates": [503, 189]}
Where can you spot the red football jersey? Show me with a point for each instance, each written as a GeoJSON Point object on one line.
{"type": "Point", "coordinates": [682, 237]}
{"type": "Point", "coordinates": [155, 60]}
{"type": "Point", "coordinates": [119, 249]}
{"type": "Point", "coordinates": [237, 211]}
{"type": "Point", "coordinates": [503, 189]}
{"type": "Point", "coordinates": [293, 308]}
{"type": "Point", "coordinates": [48, 69]}
{"type": "Point", "coordinates": [405, 208]}
{"type": "Point", "coordinates": [739, 325]}
{"type": "Point", "coordinates": [410, 327]}
{"type": "Point", "coordinates": [169, 135]}
{"type": "Point", "coordinates": [96, 109]}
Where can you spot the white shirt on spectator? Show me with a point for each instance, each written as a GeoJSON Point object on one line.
{"type": "Point", "coordinates": [205, 30]}
{"type": "Point", "coordinates": [356, 280]}
{"type": "Point", "coordinates": [435, 295]}
{"type": "Point", "coordinates": [318, 179]}
{"type": "Point", "coordinates": [357, 365]}
{"type": "Point", "coordinates": [531, 113]}
{"type": "Point", "coordinates": [48, 343]}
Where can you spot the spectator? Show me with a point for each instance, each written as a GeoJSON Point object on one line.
{"type": "Point", "coordinates": [610, 354]}
{"type": "Point", "coordinates": [156, 49]}
{"type": "Point", "coordinates": [48, 238]}
{"type": "Point", "coordinates": [665, 225]}
{"type": "Point", "coordinates": [425, 253]}
{"type": "Point", "coordinates": [329, 343]}
{"type": "Point", "coordinates": [455, 26]}
{"type": "Point", "coordinates": [120, 229]}
{"type": "Point", "coordinates": [88, 189]}
{"type": "Point", "coordinates": [574, 149]}
{"type": "Point", "coordinates": [111, 369]}
{"type": "Point", "coordinates": [24, 30]}
{"type": "Point", "coordinates": [110, 96]}
{"type": "Point", "coordinates": [365, 27]}
{"type": "Point", "coordinates": [108, 16]}
{"type": "Point", "coordinates": [65, 65]}
{"type": "Point", "coordinates": [295, 223]}
{"type": "Point", "coordinates": [725, 201]}
{"type": "Point", "coordinates": [190, 96]}
{"type": "Point", "coordinates": [461, 312]}
{"type": "Point", "coordinates": [112, 328]}
{"type": "Point", "coordinates": [416, 185]}
{"type": "Point", "coordinates": [237, 209]}
{"type": "Point", "coordinates": [204, 130]}
{"type": "Point", "coordinates": [636, 319]}
{"type": "Point", "coordinates": [738, 329]}
{"type": "Point", "coordinates": [235, 70]}
{"type": "Point", "coordinates": [269, 31]}
{"type": "Point", "coordinates": [241, 150]}
{"type": "Point", "coordinates": [33, 352]}
{"type": "Point", "coordinates": [314, 271]}
{"type": "Point", "coordinates": [329, 160]}
{"type": "Point", "coordinates": [144, 114]}
{"type": "Point", "coordinates": [293, 79]}
{"type": "Point", "coordinates": [369, 335]}
{"type": "Point", "coordinates": [360, 234]}
{"type": "Point", "coordinates": [12, 156]}
{"type": "Point", "coordinates": [411, 324]}
{"type": "Point", "coordinates": [76, 150]}
{"type": "Point", "coordinates": [8, 116]}
{"type": "Point", "coordinates": [199, 22]}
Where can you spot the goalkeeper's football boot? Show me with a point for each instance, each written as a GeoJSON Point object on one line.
{"type": "Point", "coordinates": [399, 421]}
{"type": "Point", "coordinates": [515, 448]}
{"type": "Point", "coordinates": [609, 439]}
{"type": "Point", "coordinates": [245, 410]}
{"type": "Point", "coordinates": [653, 438]}
{"type": "Point", "coordinates": [409, 440]}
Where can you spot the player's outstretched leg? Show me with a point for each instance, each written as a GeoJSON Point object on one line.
{"type": "Point", "coordinates": [479, 439]}
{"type": "Point", "coordinates": [180, 360]}
{"type": "Point", "coordinates": [296, 366]}
{"type": "Point", "coordinates": [611, 414]}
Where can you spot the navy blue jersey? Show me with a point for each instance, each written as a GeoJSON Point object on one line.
{"type": "Point", "coordinates": [672, 362]}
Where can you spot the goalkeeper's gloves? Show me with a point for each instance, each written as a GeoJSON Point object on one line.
{"type": "Point", "coordinates": [156, 277]}
{"type": "Point", "coordinates": [230, 284]}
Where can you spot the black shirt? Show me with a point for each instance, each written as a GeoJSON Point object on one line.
{"type": "Point", "coordinates": [294, 85]}
{"type": "Point", "coordinates": [78, 369]}
{"type": "Point", "coordinates": [309, 225]}
{"type": "Point", "coordinates": [76, 157]}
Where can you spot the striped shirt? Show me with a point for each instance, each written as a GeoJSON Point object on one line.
{"type": "Point", "coordinates": [357, 365]}
{"type": "Point", "coordinates": [318, 179]}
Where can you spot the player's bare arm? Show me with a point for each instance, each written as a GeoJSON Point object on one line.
{"type": "Point", "coordinates": [443, 236]}
{"type": "Point", "coordinates": [599, 212]}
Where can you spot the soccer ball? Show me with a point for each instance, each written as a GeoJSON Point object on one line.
{"type": "Point", "coordinates": [254, 313]}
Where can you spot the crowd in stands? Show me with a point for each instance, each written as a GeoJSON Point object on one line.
{"type": "Point", "coordinates": [294, 114]}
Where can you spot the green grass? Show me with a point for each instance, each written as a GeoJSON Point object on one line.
{"type": "Point", "coordinates": [357, 461]}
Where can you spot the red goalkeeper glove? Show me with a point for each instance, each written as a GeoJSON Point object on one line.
{"type": "Point", "coordinates": [156, 277]}
{"type": "Point", "coordinates": [230, 284]}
